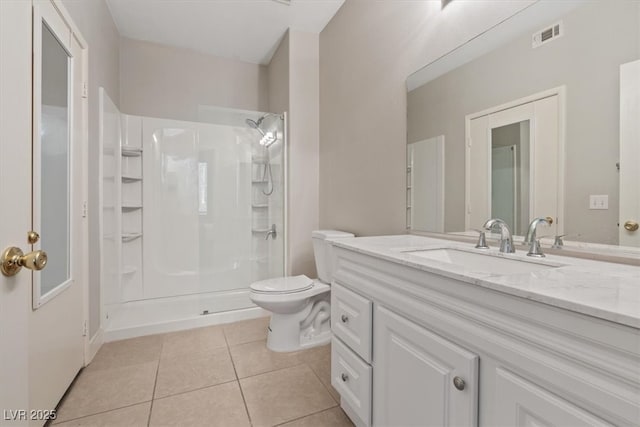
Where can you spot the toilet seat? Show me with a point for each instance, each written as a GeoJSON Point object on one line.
{"type": "Point", "coordinates": [282, 285]}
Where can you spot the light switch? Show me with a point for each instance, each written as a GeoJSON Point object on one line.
{"type": "Point", "coordinates": [599, 201]}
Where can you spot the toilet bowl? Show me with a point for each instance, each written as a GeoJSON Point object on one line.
{"type": "Point", "coordinates": [300, 307]}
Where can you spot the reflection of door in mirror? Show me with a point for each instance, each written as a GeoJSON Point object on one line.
{"type": "Point", "coordinates": [504, 181]}
{"type": "Point", "coordinates": [425, 185]}
{"type": "Point", "coordinates": [514, 163]}
{"type": "Point", "coordinates": [510, 175]}
{"type": "Point", "coordinates": [629, 154]}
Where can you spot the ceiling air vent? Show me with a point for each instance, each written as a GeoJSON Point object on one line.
{"type": "Point", "coordinates": [547, 34]}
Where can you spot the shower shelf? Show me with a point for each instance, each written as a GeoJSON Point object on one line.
{"type": "Point", "coordinates": [131, 178]}
{"type": "Point", "coordinates": [260, 206]}
{"type": "Point", "coordinates": [128, 237]}
{"type": "Point", "coordinates": [260, 230]}
{"type": "Point", "coordinates": [129, 208]}
{"type": "Point", "coordinates": [259, 181]}
{"type": "Point", "coordinates": [131, 152]}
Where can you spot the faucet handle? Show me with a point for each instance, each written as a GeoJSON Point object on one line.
{"type": "Point", "coordinates": [535, 249]}
{"type": "Point", "coordinates": [482, 240]}
{"type": "Point", "coordinates": [558, 243]}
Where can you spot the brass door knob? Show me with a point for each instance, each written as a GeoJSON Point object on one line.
{"type": "Point", "coordinates": [631, 226]}
{"type": "Point", "coordinates": [13, 259]}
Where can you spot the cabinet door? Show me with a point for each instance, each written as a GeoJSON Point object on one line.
{"type": "Point", "coordinates": [413, 376]}
{"type": "Point", "coordinates": [521, 403]}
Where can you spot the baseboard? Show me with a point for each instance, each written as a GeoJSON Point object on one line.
{"type": "Point", "coordinates": [94, 345]}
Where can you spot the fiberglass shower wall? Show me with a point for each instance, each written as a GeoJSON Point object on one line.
{"type": "Point", "coordinates": [199, 219]}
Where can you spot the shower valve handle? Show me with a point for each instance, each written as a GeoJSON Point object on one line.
{"type": "Point", "coordinates": [272, 232]}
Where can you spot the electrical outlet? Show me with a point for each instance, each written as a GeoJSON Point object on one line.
{"type": "Point", "coordinates": [599, 201]}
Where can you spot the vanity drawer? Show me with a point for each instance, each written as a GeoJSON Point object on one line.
{"type": "Point", "coordinates": [351, 320]}
{"type": "Point", "coordinates": [351, 377]}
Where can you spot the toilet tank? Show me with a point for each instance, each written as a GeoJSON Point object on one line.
{"type": "Point", "coordinates": [322, 251]}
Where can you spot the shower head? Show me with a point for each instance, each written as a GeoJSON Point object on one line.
{"type": "Point", "coordinates": [255, 124]}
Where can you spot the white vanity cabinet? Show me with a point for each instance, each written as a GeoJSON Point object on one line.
{"type": "Point", "coordinates": [523, 403]}
{"type": "Point", "coordinates": [421, 379]}
{"type": "Point", "coordinates": [445, 352]}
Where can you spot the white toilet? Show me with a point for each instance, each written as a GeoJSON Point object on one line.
{"type": "Point", "coordinates": [300, 307]}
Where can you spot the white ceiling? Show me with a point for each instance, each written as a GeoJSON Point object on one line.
{"type": "Point", "coordinates": [246, 30]}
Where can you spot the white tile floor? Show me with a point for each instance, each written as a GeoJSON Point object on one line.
{"type": "Point", "coordinates": [214, 376]}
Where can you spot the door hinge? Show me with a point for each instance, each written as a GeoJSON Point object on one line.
{"type": "Point", "coordinates": [85, 209]}
{"type": "Point", "coordinates": [85, 329]}
{"type": "Point", "coordinates": [85, 90]}
{"type": "Point", "coordinates": [469, 142]}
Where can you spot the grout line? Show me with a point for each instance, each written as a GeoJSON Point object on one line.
{"type": "Point", "coordinates": [101, 412]}
{"type": "Point", "coordinates": [304, 416]}
{"type": "Point", "coordinates": [323, 384]}
{"type": "Point", "coordinates": [247, 342]}
{"type": "Point", "coordinates": [244, 401]}
{"type": "Point", "coordinates": [295, 365]}
{"type": "Point", "coordinates": [155, 383]}
{"type": "Point", "coordinates": [195, 389]}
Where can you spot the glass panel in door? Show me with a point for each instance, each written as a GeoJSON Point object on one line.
{"type": "Point", "coordinates": [51, 166]}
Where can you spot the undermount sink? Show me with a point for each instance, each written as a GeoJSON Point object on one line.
{"type": "Point", "coordinates": [482, 263]}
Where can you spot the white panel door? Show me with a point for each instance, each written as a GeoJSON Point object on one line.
{"type": "Point", "coordinates": [414, 374]}
{"type": "Point", "coordinates": [630, 154]}
{"type": "Point", "coordinates": [478, 169]}
{"type": "Point", "coordinates": [15, 193]}
{"type": "Point", "coordinates": [547, 181]}
{"type": "Point", "coordinates": [521, 403]}
{"type": "Point", "coordinates": [426, 187]}
{"type": "Point", "coordinates": [56, 324]}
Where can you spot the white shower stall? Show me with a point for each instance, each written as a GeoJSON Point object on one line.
{"type": "Point", "coordinates": [189, 210]}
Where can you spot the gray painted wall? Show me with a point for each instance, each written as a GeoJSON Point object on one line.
{"type": "Point", "coordinates": [294, 87]}
{"type": "Point", "coordinates": [168, 82]}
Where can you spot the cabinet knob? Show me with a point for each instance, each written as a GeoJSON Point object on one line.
{"type": "Point", "coordinates": [459, 383]}
{"type": "Point", "coordinates": [344, 377]}
{"type": "Point", "coordinates": [344, 318]}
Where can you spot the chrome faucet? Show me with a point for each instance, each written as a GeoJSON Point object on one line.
{"type": "Point", "coordinates": [506, 240]}
{"type": "Point", "coordinates": [272, 232]}
{"type": "Point", "coordinates": [534, 249]}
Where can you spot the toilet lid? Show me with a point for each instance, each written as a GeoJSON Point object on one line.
{"type": "Point", "coordinates": [283, 285]}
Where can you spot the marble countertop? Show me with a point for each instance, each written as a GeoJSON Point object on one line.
{"type": "Point", "coordinates": [605, 290]}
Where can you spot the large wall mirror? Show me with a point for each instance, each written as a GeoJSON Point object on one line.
{"type": "Point", "coordinates": [537, 117]}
